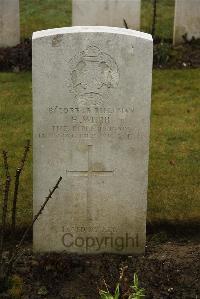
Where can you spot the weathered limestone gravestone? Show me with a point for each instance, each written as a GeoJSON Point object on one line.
{"type": "Point", "coordinates": [106, 13]}
{"type": "Point", "coordinates": [187, 20]}
{"type": "Point", "coordinates": [9, 23]}
{"type": "Point", "coordinates": [91, 108]}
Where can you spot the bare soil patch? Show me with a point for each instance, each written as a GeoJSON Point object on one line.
{"type": "Point", "coordinates": [170, 269]}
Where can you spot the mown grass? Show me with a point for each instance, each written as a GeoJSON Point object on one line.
{"type": "Point", "coordinates": [16, 128]}
{"type": "Point", "coordinates": [165, 17]}
{"type": "Point", "coordinates": [40, 14]}
{"type": "Point", "coordinates": [43, 14]}
{"type": "Point", "coordinates": [174, 172]}
{"type": "Point", "coordinates": [174, 168]}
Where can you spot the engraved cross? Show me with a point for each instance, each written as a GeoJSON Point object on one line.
{"type": "Point", "coordinates": [89, 173]}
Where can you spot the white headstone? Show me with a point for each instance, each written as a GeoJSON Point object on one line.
{"type": "Point", "coordinates": [187, 20]}
{"type": "Point", "coordinates": [9, 23]}
{"type": "Point", "coordinates": [91, 109]}
{"type": "Point", "coordinates": [106, 13]}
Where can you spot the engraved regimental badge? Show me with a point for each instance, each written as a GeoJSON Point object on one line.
{"type": "Point", "coordinates": [93, 75]}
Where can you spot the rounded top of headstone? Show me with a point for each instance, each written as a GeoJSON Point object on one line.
{"type": "Point", "coordinates": [91, 29]}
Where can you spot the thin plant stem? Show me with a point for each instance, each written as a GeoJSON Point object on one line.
{"type": "Point", "coordinates": [16, 255]}
{"type": "Point", "coordinates": [5, 204]}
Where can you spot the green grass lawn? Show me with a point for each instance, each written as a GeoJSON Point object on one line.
{"type": "Point", "coordinates": [43, 14]}
{"type": "Point", "coordinates": [174, 172]}
{"type": "Point", "coordinates": [174, 169]}
{"type": "Point", "coordinates": [16, 127]}
{"type": "Point", "coordinates": [165, 17]}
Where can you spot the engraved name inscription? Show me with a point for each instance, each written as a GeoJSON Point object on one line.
{"type": "Point", "coordinates": [89, 123]}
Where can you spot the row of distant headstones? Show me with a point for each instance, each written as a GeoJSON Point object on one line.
{"type": "Point", "coordinates": [105, 13]}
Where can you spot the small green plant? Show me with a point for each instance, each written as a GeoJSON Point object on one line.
{"type": "Point", "coordinates": [133, 292]}
{"type": "Point", "coordinates": [161, 54]}
{"type": "Point", "coordinates": [137, 292]}
{"type": "Point", "coordinates": [16, 287]}
{"type": "Point", "coordinates": [107, 295]}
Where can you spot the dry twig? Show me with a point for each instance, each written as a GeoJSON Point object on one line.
{"type": "Point", "coordinates": [153, 31]}
{"type": "Point", "coordinates": [15, 195]}
{"type": "Point", "coordinates": [16, 255]}
{"type": "Point", "coordinates": [125, 24]}
{"type": "Point", "coordinates": [5, 203]}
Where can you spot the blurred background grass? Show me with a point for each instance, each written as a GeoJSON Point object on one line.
{"type": "Point", "coordinates": [39, 14]}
